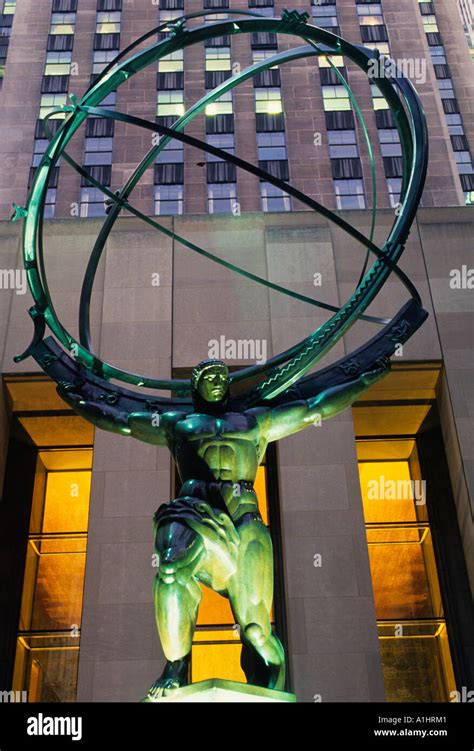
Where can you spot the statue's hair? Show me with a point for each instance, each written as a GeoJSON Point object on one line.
{"type": "Point", "coordinates": [202, 366]}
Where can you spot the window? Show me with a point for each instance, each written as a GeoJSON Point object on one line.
{"type": "Point", "coordinates": [106, 41]}
{"type": "Point", "coordinates": [342, 143]}
{"type": "Point", "coordinates": [263, 40]}
{"type": "Point", "coordinates": [393, 166]}
{"type": "Point", "coordinates": [221, 197]}
{"type": "Point", "coordinates": [101, 59]}
{"type": "Point", "coordinates": [170, 103]}
{"type": "Point", "coordinates": [64, 6]}
{"type": "Point", "coordinates": [171, 4]}
{"type": "Point", "coordinates": [271, 146]}
{"type": "Point", "coordinates": [221, 106]}
{"type": "Point", "coordinates": [404, 482]}
{"type": "Point", "coordinates": [224, 141]}
{"type": "Point", "coordinates": [103, 5]}
{"type": "Point", "coordinates": [60, 42]}
{"type": "Point", "coordinates": [376, 33]}
{"type": "Point", "coordinates": [394, 185]}
{"type": "Point", "coordinates": [335, 98]}
{"type": "Point", "coordinates": [58, 63]}
{"type": "Point", "coordinates": [53, 539]}
{"type": "Point", "coordinates": [172, 152]}
{"type": "Point", "coordinates": [62, 23]}
{"type": "Point", "coordinates": [274, 199]}
{"type": "Point", "coordinates": [220, 124]}
{"type": "Point", "coordinates": [218, 59]}
{"type": "Point", "coordinates": [49, 101]}
{"type": "Point", "coordinates": [169, 174]}
{"type": "Point", "coordinates": [390, 142]}
{"type": "Point", "coordinates": [174, 62]}
{"type": "Point", "coordinates": [168, 199]}
{"type": "Point", "coordinates": [108, 23]}
{"type": "Point", "coordinates": [268, 101]}
{"type": "Point", "coordinates": [378, 100]}
{"type": "Point", "coordinates": [349, 194]}
{"type": "Point", "coordinates": [54, 84]}
{"type": "Point", "coordinates": [219, 171]}
{"type": "Point", "coordinates": [429, 24]}
{"type": "Point", "coordinates": [269, 123]}
{"type": "Point", "coordinates": [326, 17]}
{"type": "Point", "coordinates": [98, 151]}
{"type": "Point", "coordinates": [92, 202]}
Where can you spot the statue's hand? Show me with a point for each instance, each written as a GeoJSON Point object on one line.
{"type": "Point", "coordinates": [379, 371]}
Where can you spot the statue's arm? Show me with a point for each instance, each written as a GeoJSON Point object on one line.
{"type": "Point", "coordinates": [292, 417]}
{"type": "Point", "coordinates": [150, 427]}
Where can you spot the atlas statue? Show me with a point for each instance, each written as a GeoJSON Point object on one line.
{"type": "Point", "coordinates": [213, 532]}
{"type": "Point", "coordinates": [218, 424]}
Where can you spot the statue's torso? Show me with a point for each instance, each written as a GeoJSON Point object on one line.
{"type": "Point", "coordinates": [228, 447]}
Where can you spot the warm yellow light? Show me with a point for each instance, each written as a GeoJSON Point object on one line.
{"type": "Point", "coordinates": [211, 109]}
{"type": "Point", "coordinates": [274, 108]}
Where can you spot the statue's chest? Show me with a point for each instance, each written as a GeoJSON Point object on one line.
{"type": "Point", "coordinates": [231, 425]}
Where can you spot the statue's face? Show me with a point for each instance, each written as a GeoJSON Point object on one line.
{"type": "Point", "coordinates": [213, 383]}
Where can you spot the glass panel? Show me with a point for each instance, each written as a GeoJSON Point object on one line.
{"type": "Point", "coordinates": [46, 667]}
{"type": "Point", "coordinates": [416, 661]}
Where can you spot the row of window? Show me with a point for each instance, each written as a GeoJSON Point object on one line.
{"type": "Point", "coordinates": [54, 88]}
{"type": "Point", "coordinates": [342, 140]}
{"type": "Point", "coordinates": [450, 103]}
{"type": "Point", "coordinates": [6, 23]}
{"type": "Point", "coordinates": [374, 32]}
{"type": "Point", "coordinates": [98, 143]}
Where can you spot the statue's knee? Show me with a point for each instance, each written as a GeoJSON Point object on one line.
{"type": "Point", "coordinates": [255, 635]}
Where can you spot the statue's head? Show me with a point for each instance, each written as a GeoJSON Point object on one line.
{"type": "Point", "coordinates": [210, 383]}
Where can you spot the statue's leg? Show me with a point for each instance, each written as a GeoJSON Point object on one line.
{"type": "Point", "coordinates": [251, 594]}
{"type": "Point", "coordinates": [177, 595]}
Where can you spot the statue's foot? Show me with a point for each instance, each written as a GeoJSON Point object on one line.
{"type": "Point", "coordinates": [175, 675]}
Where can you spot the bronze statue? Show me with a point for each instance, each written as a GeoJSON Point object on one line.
{"type": "Point", "coordinates": [213, 531]}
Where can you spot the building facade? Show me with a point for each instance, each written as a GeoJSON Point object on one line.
{"type": "Point", "coordinates": [371, 513]}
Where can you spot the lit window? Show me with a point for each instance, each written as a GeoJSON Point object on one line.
{"type": "Point", "coordinates": [378, 100]}
{"type": "Point", "coordinates": [62, 23]}
{"type": "Point", "coordinates": [221, 106]}
{"type": "Point", "coordinates": [429, 24]}
{"type": "Point", "coordinates": [172, 63]}
{"type": "Point", "coordinates": [218, 58]}
{"type": "Point", "coordinates": [335, 98]}
{"type": "Point", "coordinates": [49, 101]}
{"type": "Point", "coordinates": [268, 101]}
{"type": "Point", "coordinates": [108, 23]}
{"type": "Point", "coordinates": [58, 63]}
{"type": "Point", "coordinates": [336, 60]}
{"type": "Point", "coordinates": [170, 103]}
